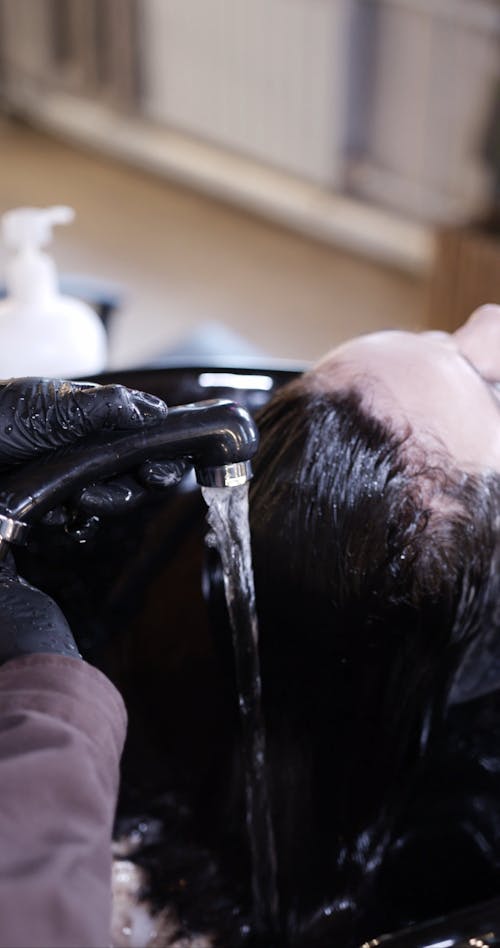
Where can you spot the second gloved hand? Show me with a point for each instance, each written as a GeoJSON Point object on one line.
{"type": "Point", "coordinates": [124, 493]}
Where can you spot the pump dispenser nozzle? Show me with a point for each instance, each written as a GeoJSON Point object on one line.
{"type": "Point", "coordinates": [32, 226]}
{"type": "Point", "coordinates": [31, 275]}
{"type": "Point", "coordinates": [43, 332]}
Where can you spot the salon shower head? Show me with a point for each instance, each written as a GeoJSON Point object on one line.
{"type": "Point", "coordinates": [217, 436]}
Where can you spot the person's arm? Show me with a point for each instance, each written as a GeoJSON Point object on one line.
{"type": "Point", "coordinates": [62, 726]}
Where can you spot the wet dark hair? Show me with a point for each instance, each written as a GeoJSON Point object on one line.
{"type": "Point", "coordinates": [377, 579]}
{"type": "Point", "coordinates": [377, 590]}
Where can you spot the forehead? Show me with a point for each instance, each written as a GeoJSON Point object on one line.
{"type": "Point", "coordinates": [377, 352]}
{"type": "Point", "coordinates": [401, 366]}
{"type": "Point", "coordinates": [420, 383]}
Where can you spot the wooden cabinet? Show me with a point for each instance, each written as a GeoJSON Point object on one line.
{"type": "Point", "coordinates": [466, 274]}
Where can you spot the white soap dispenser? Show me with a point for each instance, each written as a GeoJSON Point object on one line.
{"type": "Point", "coordinates": [43, 332]}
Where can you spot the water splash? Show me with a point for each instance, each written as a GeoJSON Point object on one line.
{"type": "Point", "coordinates": [228, 518]}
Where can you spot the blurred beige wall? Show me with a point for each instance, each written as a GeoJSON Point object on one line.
{"type": "Point", "coordinates": [183, 261]}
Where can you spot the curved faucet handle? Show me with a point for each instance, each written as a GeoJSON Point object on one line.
{"type": "Point", "coordinates": [218, 437]}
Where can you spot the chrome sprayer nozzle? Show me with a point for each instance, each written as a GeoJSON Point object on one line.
{"type": "Point", "coordinates": [229, 475]}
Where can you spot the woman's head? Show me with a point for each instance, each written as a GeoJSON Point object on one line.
{"type": "Point", "coordinates": [375, 539]}
{"type": "Point", "coordinates": [377, 484]}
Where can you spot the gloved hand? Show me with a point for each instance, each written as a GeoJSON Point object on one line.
{"type": "Point", "coordinates": [29, 620]}
{"type": "Point", "coordinates": [39, 415]}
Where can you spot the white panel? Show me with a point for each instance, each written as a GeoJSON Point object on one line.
{"type": "Point", "coordinates": [466, 65]}
{"type": "Point", "coordinates": [399, 118]}
{"type": "Point", "coordinates": [434, 77]}
{"type": "Point", "coordinates": [265, 77]}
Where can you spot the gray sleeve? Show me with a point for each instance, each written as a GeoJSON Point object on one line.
{"type": "Point", "coordinates": [62, 728]}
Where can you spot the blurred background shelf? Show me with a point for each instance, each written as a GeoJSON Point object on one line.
{"type": "Point", "coordinates": [341, 219]}
{"type": "Point", "coordinates": [183, 263]}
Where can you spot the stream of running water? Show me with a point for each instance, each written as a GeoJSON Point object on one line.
{"type": "Point", "coordinates": [228, 517]}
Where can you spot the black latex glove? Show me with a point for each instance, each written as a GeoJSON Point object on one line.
{"type": "Point", "coordinates": [29, 620]}
{"type": "Point", "coordinates": [38, 415]}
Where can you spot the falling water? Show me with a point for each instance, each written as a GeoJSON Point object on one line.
{"type": "Point", "coordinates": [228, 517]}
